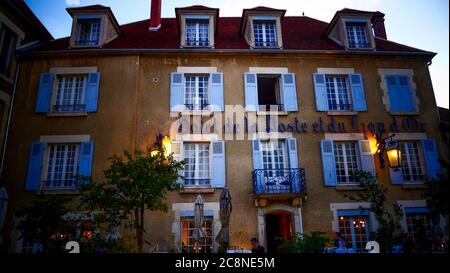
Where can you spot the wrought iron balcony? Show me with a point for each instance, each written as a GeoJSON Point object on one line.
{"type": "Point", "coordinates": [358, 45]}
{"type": "Point", "coordinates": [271, 107]}
{"type": "Point", "coordinates": [340, 107]}
{"type": "Point", "coordinates": [201, 106]}
{"type": "Point", "coordinates": [279, 181]}
{"type": "Point", "coordinates": [197, 43]}
{"type": "Point", "coordinates": [86, 42]}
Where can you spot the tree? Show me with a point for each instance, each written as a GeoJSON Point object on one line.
{"type": "Point", "coordinates": [48, 224]}
{"type": "Point", "coordinates": [389, 230]}
{"type": "Point", "coordinates": [313, 243]}
{"type": "Point", "coordinates": [436, 194]}
{"type": "Point", "coordinates": [132, 185]}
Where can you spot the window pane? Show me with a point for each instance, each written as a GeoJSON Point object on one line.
{"type": "Point", "coordinates": [205, 245]}
{"type": "Point", "coordinates": [346, 157]}
{"type": "Point", "coordinates": [411, 166]}
{"type": "Point", "coordinates": [197, 32]}
{"type": "Point", "coordinates": [337, 93]}
{"type": "Point", "coordinates": [62, 165]}
{"type": "Point", "coordinates": [70, 94]}
{"type": "Point", "coordinates": [265, 33]}
{"type": "Point", "coordinates": [357, 36]}
{"type": "Point", "coordinates": [196, 95]}
{"type": "Point", "coordinates": [196, 169]}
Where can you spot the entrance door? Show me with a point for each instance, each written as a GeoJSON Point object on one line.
{"type": "Point", "coordinates": [279, 228]}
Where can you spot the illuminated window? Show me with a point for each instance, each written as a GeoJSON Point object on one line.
{"type": "Point", "coordinates": [188, 243]}
{"type": "Point", "coordinates": [419, 225]}
{"type": "Point", "coordinates": [355, 230]}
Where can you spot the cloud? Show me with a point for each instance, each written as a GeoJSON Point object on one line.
{"type": "Point", "coordinates": [73, 2]}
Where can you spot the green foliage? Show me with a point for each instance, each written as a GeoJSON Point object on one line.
{"type": "Point", "coordinates": [132, 184]}
{"type": "Point", "coordinates": [436, 193]}
{"type": "Point", "coordinates": [314, 243]}
{"type": "Point", "coordinates": [46, 221]}
{"type": "Point", "coordinates": [389, 230]}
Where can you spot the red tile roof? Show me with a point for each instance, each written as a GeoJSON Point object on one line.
{"type": "Point", "coordinates": [299, 33]}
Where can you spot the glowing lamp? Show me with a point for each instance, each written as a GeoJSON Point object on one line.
{"type": "Point", "coordinates": [394, 155]}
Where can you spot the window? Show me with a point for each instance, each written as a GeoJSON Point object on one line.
{"type": "Point", "coordinates": [196, 92]}
{"type": "Point", "coordinates": [188, 243]}
{"type": "Point", "coordinates": [70, 94]}
{"type": "Point", "coordinates": [265, 33]}
{"type": "Point", "coordinates": [346, 158]}
{"type": "Point", "coordinates": [197, 32]}
{"type": "Point", "coordinates": [419, 225]}
{"type": "Point", "coordinates": [357, 35]}
{"type": "Point", "coordinates": [411, 162]}
{"type": "Point", "coordinates": [338, 93]}
{"type": "Point", "coordinates": [269, 93]}
{"type": "Point", "coordinates": [196, 169]}
{"type": "Point", "coordinates": [8, 42]}
{"type": "Point", "coordinates": [355, 230]}
{"type": "Point", "coordinates": [274, 155]}
{"type": "Point", "coordinates": [62, 166]}
{"type": "Point", "coordinates": [88, 32]}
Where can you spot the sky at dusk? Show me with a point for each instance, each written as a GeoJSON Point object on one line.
{"type": "Point", "coordinates": [417, 23]}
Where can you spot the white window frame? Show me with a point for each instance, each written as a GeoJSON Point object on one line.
{"type": "Point", "coordinates": [421, 162]}
{"type": "Point", "coordinates": [91, 22]}
{"type": "Point", "coordinates": [64, 165]}
{"type": "Point", "coordinates": [197, 23]}
{"type": "Point", "coordinates": [336, 93]}
{"type": "Point", "coordinates": [344, 155]}
{"type": "Point", "coordinates": [353, 26]}
{"type": "Point", "coordinates": [196, 105]}
{"type": "Point", "coordinates": [209, 218]}
{"type": "Point", "coordinates": [60, 83]}
{"type": "Point", "coordinates": [353, 234]}
{"type": "Point", "coordinates": [196, 177]}
{"type": "Point", "coordinates": [270, 147]}
{"type": "Point", "coordinates": [265, 24]}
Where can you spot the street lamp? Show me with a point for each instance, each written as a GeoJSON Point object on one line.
{"type": "Point", "coordinates": [392, 149]}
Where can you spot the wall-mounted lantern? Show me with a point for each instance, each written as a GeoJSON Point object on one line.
{"type": "Point", "coordinates": [392, 149]}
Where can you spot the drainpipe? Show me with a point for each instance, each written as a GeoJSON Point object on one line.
{"type": "Point", "coordinates": [8, 124]}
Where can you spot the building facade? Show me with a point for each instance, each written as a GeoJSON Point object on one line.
{"type": "Point", "coordinates": [280, 110]}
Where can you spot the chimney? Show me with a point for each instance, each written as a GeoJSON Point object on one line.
{"type": "Point", "coordinates": [155, 15]}
{"type": "Point", "coordinates": [378, 28]}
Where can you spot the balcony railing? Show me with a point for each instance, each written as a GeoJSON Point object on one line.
{"type": "Point", "coordinates": [86, 42]}
{"type": "Point", "coordinates": [67, 184]}
{"type": "Point", "coordinates": [197, 182]}
{"type": "Point", "coordinates": [279, 181]}
{"type": "Point", "coordinates": [271, 107]}
{"type": "Point", "coordinates": [202, 106]}
{"type": "Point", "coordinates": [341, 107]}
{"type": "Point", "coordinates": [197, 43]}
{"type": "Point", "coordinates": [359, 45]}
{"type": "Point", "coordinates": [69, 108]}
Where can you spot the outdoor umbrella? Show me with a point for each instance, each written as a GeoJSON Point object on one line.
{"type": "Point", "coordinates": [198, 233]}
{"type": "Point", "coordinates": [223, 238]}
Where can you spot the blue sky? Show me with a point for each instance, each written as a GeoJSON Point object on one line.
{"type": "Point", "coordinates": [417, 23]}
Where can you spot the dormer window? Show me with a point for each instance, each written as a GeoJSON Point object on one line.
{"type": "Point", "coordinates": [357, 35]}
{"type": "Point", "coordinates": [197, 32]}
{"type": "Point", "coordinates": [92, 26]}
{"type": "Point", "coordinates": [265, 33]}
{"type": "Point", "coordinates": [88, 32]}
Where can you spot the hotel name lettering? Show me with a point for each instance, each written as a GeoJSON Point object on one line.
{"type": "Point", "coordinates": [270, 124]}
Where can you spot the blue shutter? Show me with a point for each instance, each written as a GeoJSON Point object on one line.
{"type": "Point", "coordinates": [176, 92]}
{"type": "Point", "coordinates": [92, 91]}
{"type": "Point", "coordinates": [358, 96]}
{"type": "Point", "coordinates": [216, 92]}
{"type": "Point", "coordinates": [431, 157]}
{"type": "Point", "coordinates": [177, 151]}
{"type": "Point", "coordinates": [35, 162]}
{"type": "Point", "coordinates": [400, 94]}
{"type": "Point", "coordinates": [86, 156]}
{"type": "Point", "coordinates": [367, 162]}
{"type": "Point", "coordinates": [396, 176]}
{"type": "Point", "coordinates": [320, 91]}
{"type": "Point", "coordinates": [292, 152]}
{"type": "Point", "coordinates": [218, 164]}
{"type": "Point", "coordinates": [328, 163]}
{"type": "Point", "coordinates": [251, 92]}
{"type": "Point", "coordinates": [289, 92]}
{"type": "Point", "coordinates": [44, 95]}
